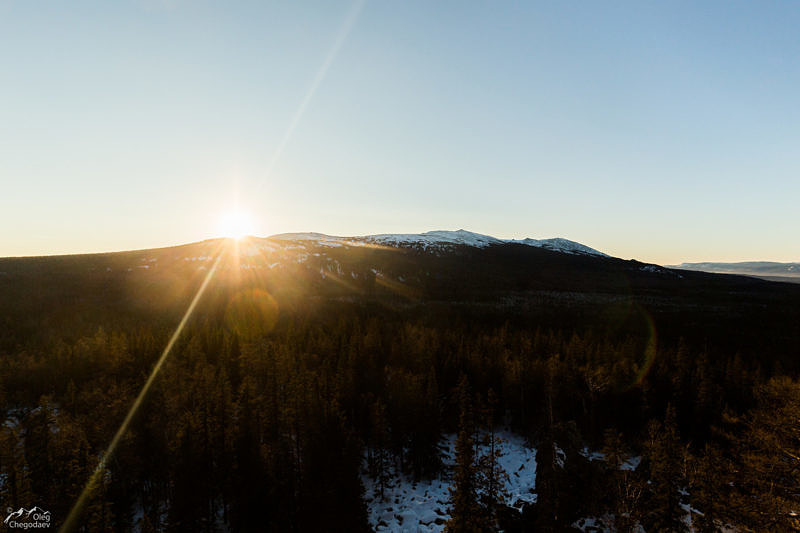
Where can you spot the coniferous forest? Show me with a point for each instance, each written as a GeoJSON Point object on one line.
{"type": "Point", "coordinates": [290, 383]}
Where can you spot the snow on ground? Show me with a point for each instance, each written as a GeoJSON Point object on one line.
{"type": "Point", "coordinates": [559, 245]}
{"type": "Point", "coordinates": [431, 238]}
{"type": "Point", "coordinates": [652, 268]}
{"type": "Point", "coordinates": [421, 506]}
{"type": "Point", "coordinates": [434, 239]}
{"type": "Point", "coordinates": [655, 269]}
{"type": "Point", "coordinates": [631, 463]}
{"type": "Point", "coordinates": [593, 524]}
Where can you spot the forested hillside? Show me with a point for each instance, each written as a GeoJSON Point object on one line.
{"type": "Point", "coordinates": [306, 367]}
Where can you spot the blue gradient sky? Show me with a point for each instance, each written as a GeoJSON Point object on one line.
{"type": "Point", "coordinates": [662, 131]}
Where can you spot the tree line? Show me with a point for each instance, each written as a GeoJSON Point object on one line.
{"type": "Point", "coordinates": [271, 430]}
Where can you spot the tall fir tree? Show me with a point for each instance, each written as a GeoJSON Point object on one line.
{"type": "Point", "coordinates": [548, 463]}
{"type": "Point", "coordinates": [491, 475]}
{"type": "Point", "coordinates": [625, 487]}
{"type": "Point", "coordinates": [380, 457]}
{"type": "Point", "coordinates": [665, 455]}
{"type": "Point", "coordinates": [466, 514]}
{"type": "Point", "coordinates": [708, 489]}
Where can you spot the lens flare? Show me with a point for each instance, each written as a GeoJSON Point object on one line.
{"type": "Point", "coordinates": [252, 313]}
{"type": "Point", "coordinates": [71, 523]}
{"type": "Point", "coordinates": [650, 350]}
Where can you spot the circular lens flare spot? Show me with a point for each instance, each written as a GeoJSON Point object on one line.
{"type": "Point", "coordinates": [252, 313]}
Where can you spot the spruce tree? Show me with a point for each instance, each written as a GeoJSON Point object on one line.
{"type": "Point", "coordinates": [548, 475]}
{"type": "Point", "coordinates": [625, 487]}
{"type": "Point", "coordinates": [380, 442]}
{"type": "Point", "coordinates": [766, 442]}
{"type": "Point", "coordinates": [708, 490]}
{"type": "Point", "coordinates": [492, 476]}
{"type": "Point", "coordinates": [665, 456]}
{"type": "Point", "coordinates": [466, 515]}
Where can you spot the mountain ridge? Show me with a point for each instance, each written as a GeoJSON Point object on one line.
{"type": "Point", "coordinates": [443, 238]}
{"type": "Point", "coordinates": [769, 270]}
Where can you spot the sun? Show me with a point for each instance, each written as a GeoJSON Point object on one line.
{"type": "Point", "coordinates": [235, 224]}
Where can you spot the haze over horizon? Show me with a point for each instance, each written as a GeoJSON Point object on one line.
{"type": "Point", "coordinates": [664, 133]}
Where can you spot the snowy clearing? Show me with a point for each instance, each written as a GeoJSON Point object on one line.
{"type": "Point", "coordinates": [421, 506]}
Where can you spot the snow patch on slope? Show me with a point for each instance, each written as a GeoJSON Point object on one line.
{"type": "Point", "coordinates": [422, 506]}
{"type": "Point", "coordinates": [432, 238]}
{"type": "Point", "coordinates": [438, 239]}
{"type": "Point", "coordinates": [559, 245]}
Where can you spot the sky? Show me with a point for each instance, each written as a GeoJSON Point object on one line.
{"type": "Point", "coordinates": [661, 131]}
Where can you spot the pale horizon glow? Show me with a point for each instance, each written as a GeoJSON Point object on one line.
{"type": "Point", "coordinates": [664, 132]}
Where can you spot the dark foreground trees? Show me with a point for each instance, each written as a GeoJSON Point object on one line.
{"type": "Point", "coordinates": [466, 514]}
{"type": "Point", "coordinates": [271, 432]}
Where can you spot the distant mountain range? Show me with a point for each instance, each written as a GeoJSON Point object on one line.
{"type": "Point", "coordinates": [436, 277]}
{"type": "Point", "coordinates": [768, 270]}
{"type": "Point", "coordinates": [441, 238]}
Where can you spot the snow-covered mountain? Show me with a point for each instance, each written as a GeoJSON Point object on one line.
{"type": "Point", "coordinates": [438, 239]}
{"type": "Point", "coordinates": [560, 245]}
{"type": "Point", "coordinates": [434, 238]}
